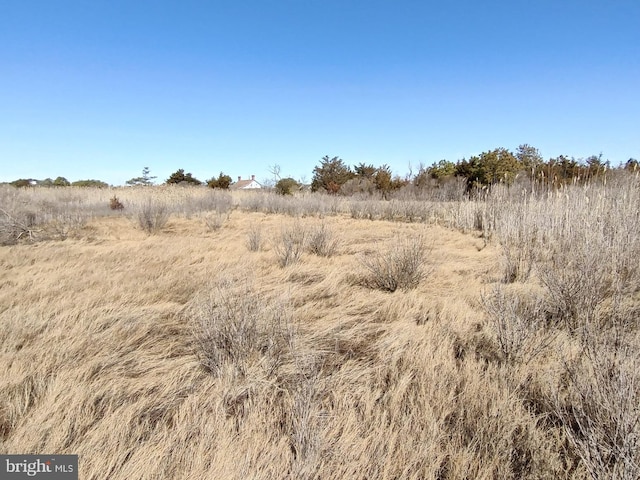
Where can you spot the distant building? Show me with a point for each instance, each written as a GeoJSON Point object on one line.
{"type": "Point", "coordinates": [246, 184]}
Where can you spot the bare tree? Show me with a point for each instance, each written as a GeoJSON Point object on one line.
{"type": "Point", "coordinates": [275, 171]}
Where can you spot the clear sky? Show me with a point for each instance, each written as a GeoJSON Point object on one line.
{"type": "Point", "coordinates": [100, 89]}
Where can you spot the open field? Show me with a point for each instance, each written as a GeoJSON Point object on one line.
{"type": "Point", "coordinates": [256, 336]}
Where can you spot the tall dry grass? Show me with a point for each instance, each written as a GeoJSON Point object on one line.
{"type": "Point", "coordinates": [192, 353]}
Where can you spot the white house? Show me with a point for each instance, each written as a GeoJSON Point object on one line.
{"type": "Point", "coordinates": [246, 184]}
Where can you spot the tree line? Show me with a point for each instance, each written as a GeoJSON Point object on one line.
{"type": "Point", "coordinates": [333, 176]}
{"type": "Point", "coordinates": [497, 166]}
{"type": "Point", "coordinates": [58, 182]}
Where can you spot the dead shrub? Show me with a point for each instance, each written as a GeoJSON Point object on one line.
{"type": "Point", "coordinates": [215, 221]}
{"type": "Point", "coordinates": [290, 244]}
{"type": "Point", "coordinates": [587, 254]}
{"type": "Point", "coordinates": [412, 211]}
{"type": "Point", "coordinates": [322, 241]}
{"type": "Point", "coordinates": [402, 266]}
{"type": "Point", "coordinates": [237, 328]}
{"type": "Point", "coordinates": [578, 282]}
{"type": "Point", "coordinates": [65, 225]}
{"type": "Point", "coordinates": [152, 216]}
{"type": "Point", "coordinates": [214, 200]}
{"type": "Point", "coordinates": [27, 225]}
{"type": "Point", "coordinates": [517, 261]}
{"type": "Point", "coordinates": [516, 321]}
{"type": "Point", "coordinates": [17, 226]}
{"type": "Point", "coordinates": [254, 238]}
{"type": "Point", "coordinates": [598, 410]}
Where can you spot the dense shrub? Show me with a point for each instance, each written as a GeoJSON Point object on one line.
{"type": "Point", "coordinates": [222, 182]}
{"type": "Point", "coordinates": [330, 175]}
{"type": "Point", "coordinates": [115, 204]}
{"type": "Point", "coordinates": [286, 186]}
{"type": "Point", "coordinates": [90, 184]}
{"type": "Point", "coordinates": [179, 177]}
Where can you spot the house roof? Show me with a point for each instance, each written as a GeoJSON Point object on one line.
{"type": "Point", "coordinates": [242, 183]}
{"type": "Point", "coordinates": [245, 183]}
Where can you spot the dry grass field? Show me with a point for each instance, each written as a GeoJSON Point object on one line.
{"type": "Point", "coordinates": [261, 337]}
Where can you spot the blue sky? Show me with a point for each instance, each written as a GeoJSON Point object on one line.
{"type": "Point", "coordinates": [100, 89]}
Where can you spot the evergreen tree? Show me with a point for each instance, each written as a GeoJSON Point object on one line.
{"type": "Point", "coordinates": [180, 177]}
{"type": "Point", "coordinates": [330, 175]}
{"type": "Point", "coordinates": [144, 180]}
{"type": "Point", "coordinates": [223, 181]}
